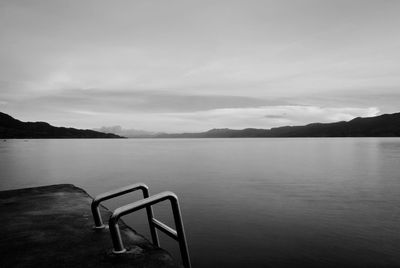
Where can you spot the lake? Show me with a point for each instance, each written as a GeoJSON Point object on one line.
{"type": "Point", "coordinates": [290, 202]}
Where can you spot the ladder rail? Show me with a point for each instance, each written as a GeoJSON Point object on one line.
{"type": "Point", "coordinates": [178, 234]}
{"type": "Point", "coordinates": [166, 229]}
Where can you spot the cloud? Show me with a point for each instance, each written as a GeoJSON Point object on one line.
{"type": "Point", "coordinates": [159, 64]}
{"type": "Point", "coordinates": [275, 116]}
{"type": "Point", "coordinates": [104, 101]}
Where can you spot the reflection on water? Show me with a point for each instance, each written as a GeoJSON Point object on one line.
{"type": "Point", "coordinates": [253, 202]}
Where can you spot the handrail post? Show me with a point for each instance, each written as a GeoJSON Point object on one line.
{"type": "Point", "coordinates": [98, 222]}
{"type": "Point", "coordinates": [180, 231]}
{"type": "Point", "coordinates": [116, 236]}
{"type": "Point", "coordinates": [150, 216]}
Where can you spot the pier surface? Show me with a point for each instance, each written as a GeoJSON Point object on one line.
{"type": "Point", "coordinates": [51, 226]}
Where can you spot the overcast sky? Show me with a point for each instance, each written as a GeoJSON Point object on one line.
{"type": "Point", "coordinates": [195, 65]}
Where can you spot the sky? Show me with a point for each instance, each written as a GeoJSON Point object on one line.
{"type": "Point", "coordinates": [176, 66]}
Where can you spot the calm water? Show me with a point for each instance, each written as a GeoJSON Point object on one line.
{"type": "Point", "coordinates": [245, 202]}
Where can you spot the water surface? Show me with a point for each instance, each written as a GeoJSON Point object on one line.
{"type": "Point", "coordinates": [245, 202]}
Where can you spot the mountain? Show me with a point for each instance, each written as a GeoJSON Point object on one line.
{"type": "Point", "coordinates": [129, 133]}
{"type": "Point", "coordinates": [387, 125]}
{"type": "Point", "coordinates": [11, 128]}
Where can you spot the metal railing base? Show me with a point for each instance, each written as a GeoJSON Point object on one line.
{"type": "Point", "coordinates": [117, 252]}
{"type": "Point", "coordinates": [101, 227]}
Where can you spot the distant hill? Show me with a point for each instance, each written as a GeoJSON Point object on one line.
{"type": "Point", "coordinates": [11, 128]}
{"type": "Point", "coordinates": [129, 133]}
{"type": "Point", "coordinates": [387, 125]}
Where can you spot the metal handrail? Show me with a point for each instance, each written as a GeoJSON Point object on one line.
{"type": "Point", "coordinates": [178, 235]}
{"type": "Point", "coordinates": [118, 192]}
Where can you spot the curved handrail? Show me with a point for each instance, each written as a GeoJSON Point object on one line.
{"type": "Point", "coordinates": [111, 194]}
{"type": "Point", "coordinates": [179, 234]}
{"type": "Point", "coordinates": [118, 192]}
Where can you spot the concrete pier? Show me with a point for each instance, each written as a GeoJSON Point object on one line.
{"type": "Point", "coordinates": [51, 226]}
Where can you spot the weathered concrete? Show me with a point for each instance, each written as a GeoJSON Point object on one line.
{"type": "Point", "coordinates": [51, 226]}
